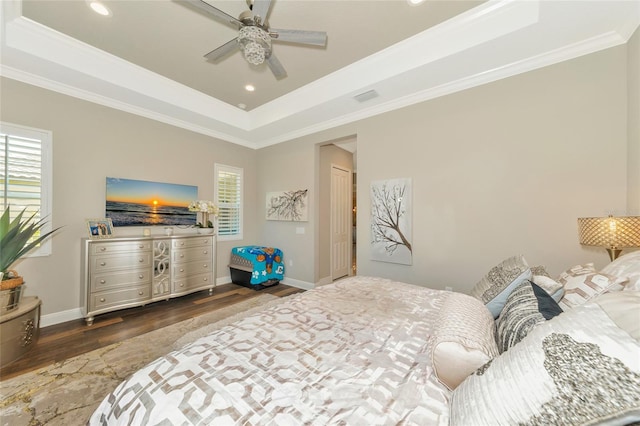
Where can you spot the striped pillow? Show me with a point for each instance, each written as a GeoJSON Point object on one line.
{"type": "Point", "coordinates": [527, 306]}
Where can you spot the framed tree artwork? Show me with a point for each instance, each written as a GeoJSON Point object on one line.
{"type": "Point", "coordinates": [391, 221]}
{"type": "Point", "coordinates": [288, 205]}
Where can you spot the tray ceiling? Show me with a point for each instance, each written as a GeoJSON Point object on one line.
{"type": "Point", "coordinates": [147, 57]}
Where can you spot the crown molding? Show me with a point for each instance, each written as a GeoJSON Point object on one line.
{"type": "Point", "coordinates": [65, 89]}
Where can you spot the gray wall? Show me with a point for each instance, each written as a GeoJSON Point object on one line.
{"type": "Point", "coordinates": [91, 142]}
{"type": "Point", "coordinates": [501, 169]}
{"type": "Point", "coordinates": [633, 124]}
{"type": "Point", "coordinates": [497, 170]}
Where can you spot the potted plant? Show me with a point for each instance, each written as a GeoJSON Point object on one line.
{"type": "Point", "coordinates": [205, 208]}
{"type": "Point", "coordinates": [16, 240]}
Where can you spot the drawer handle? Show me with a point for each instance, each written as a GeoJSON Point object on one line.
{"type": "Point", "coordinates": [27, 336]}
{"type": "Point", "coordinates": [205, 279]}
{"type": "Point", "coordinates": [181, 256]}
{"type": "Point", "coordinates": [103, 263]}
{"type": "Point", "coordinates": [141, 260]}
{"type": "Point", "coordinates": [181, 269]}
{"type": "Point", "coordinates": [141, 276]}
{"type": "Point", "coordinates": [181, 285]}
{"type": "Point", "coordinates": [205, 252]}
{"type": "Point", "coordinates": [102, 299]}
{"type": "Point", "coordinates": [181, 243]}
{"type": "Point", "coordinates": [141, 292]}
{"type": "Point", "coordinates": [141, 246]}
{"type": "Point", "coordinates": [103, 249]}
{"type": "Point", "coordinates": [205, 266]}
{"type": "Point", "coordinates": [102, 281]}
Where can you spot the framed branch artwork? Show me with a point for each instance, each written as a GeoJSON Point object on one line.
{"type": "Point", "coordinates": [391, 221]}
{"type": "Point", "coordinates": [288, 205]}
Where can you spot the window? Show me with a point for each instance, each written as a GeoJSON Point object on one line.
{"type": "Point", "coordinates": [25, 175]}
{"type": "Point", "coordinates": [228, 196]}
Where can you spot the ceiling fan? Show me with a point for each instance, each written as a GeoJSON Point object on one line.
{"type": "Point", "coordinates": [255, 37]}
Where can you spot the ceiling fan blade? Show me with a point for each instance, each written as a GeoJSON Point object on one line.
{"type": "Point", "coordinates": [225, 49]}
{"type": "Point", "coordinates": [224, 17]}
{"type": "Point", "coordinates": [276, 67]}
{"type": "Point", "coordinates": [261, 8]}
{"type": "Point", "coordinates": [316, 38]}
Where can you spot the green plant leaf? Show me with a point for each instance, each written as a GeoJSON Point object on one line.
{"type": "Point", "coordinates": [15, 236]}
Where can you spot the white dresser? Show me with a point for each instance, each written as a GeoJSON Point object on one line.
{"type": "Point", "coordinates": [121, 273]}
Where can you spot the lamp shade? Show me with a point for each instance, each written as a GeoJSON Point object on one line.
{"type": "Point", "coordinates": [614, 233]}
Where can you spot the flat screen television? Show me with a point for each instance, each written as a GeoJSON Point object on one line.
{"type": "Point", "coordinates": [141, 203]}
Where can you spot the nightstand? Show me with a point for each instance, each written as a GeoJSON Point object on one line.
{"type": "Point", "coordinates": [19, 329]}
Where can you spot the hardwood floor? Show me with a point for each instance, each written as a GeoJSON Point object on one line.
{"type": "Point", "coordinates": [61, 341]}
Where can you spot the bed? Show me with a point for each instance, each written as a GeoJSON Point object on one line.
{"type": "Point", "coordinates": [373, 351]}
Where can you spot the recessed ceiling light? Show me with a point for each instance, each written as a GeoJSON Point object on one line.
{"type": "Point", "coordinates": [249, 88]}
{"type": "Point", "coordinates": [99, 8]}
{"type": "Point", "coordinates": [415, 2]}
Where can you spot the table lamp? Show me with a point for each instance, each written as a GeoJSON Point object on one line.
{"type": "Point", "coordinates": [613, 233]}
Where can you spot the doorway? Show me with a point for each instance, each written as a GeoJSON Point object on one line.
{"type": "Point", "coordinates": [335, 236]}
{"type": "Point", "coordinates": [341, 222]}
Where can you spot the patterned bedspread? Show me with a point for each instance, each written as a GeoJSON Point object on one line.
{"type": "Point", "coordinates": [354, 352]}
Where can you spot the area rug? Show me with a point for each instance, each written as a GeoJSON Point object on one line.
{"type": "Point", "coordinates": [67, 393]}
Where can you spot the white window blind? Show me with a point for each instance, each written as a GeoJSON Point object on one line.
{"type": "Point", "coordinates": [228, 187]}
{"type": "Point", "coordinates": [25, 175]}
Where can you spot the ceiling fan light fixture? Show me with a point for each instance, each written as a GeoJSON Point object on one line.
{"type": "Point", "coordinates": [255, 44]}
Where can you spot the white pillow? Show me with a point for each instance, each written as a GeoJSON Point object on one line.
{"type": "Point", "coordinates": [578, 368]}
{"type": "Point", "coordinates": [582, 283]}
{"type": "Point", "coordinates": [624, 309]}
{"type": "Point", "coordinates": [463, 339]}
{"type": "Point", "coordinates": [627, 265]}
{"type": "Point", "coordinates": [494, 288]}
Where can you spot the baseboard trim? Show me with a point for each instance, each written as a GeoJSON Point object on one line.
{"type": "Point", "coordinates": [74, 314]}
{"type": "Point", "coordinates": [60, 317]}
{"type": "Point", "coordinates": [223, 280]}
{"type": "Point", "coordinates": [298, 284]}
{"type": "Point", "coordinates": [324, 281]}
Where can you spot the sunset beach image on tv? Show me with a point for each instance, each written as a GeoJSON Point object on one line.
{"type": "Point", "coordinates": [141, 203]}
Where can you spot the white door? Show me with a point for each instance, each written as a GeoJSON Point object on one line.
{"type": "Point", "coordinates": [340, 222]}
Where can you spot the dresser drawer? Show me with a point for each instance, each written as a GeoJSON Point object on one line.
{"type": "Point", "coordinates": [120, 247]}
{"type": "Point", "coordinates": [192, 268]}
{"type": "Point", "coordinates": [120, 298]}
{"type": "Point", "coordinates": [191, 254]}
{"type": "Point", "coordinates": [194, 281]}
{"type": "Point", "coordinates": [101, 282]}
{"type": "Point", "coordinates": [108, 263]}
{"type": "Point", "coordinates": [192, 242]}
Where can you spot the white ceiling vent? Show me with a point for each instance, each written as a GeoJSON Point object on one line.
{"type": "Point", "coordinates": [365, 96]}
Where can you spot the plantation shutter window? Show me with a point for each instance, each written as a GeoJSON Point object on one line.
{"type": "Point", "coordinates": [229, 184]}
{"type": "Point", "coordinates": [25, 175]}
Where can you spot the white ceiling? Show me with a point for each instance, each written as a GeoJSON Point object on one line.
{"type": "Point", "coordinates": [147, 58]}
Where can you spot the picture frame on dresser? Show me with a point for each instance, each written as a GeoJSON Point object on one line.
{"type": "Point", "coordinates": [100, 228]}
